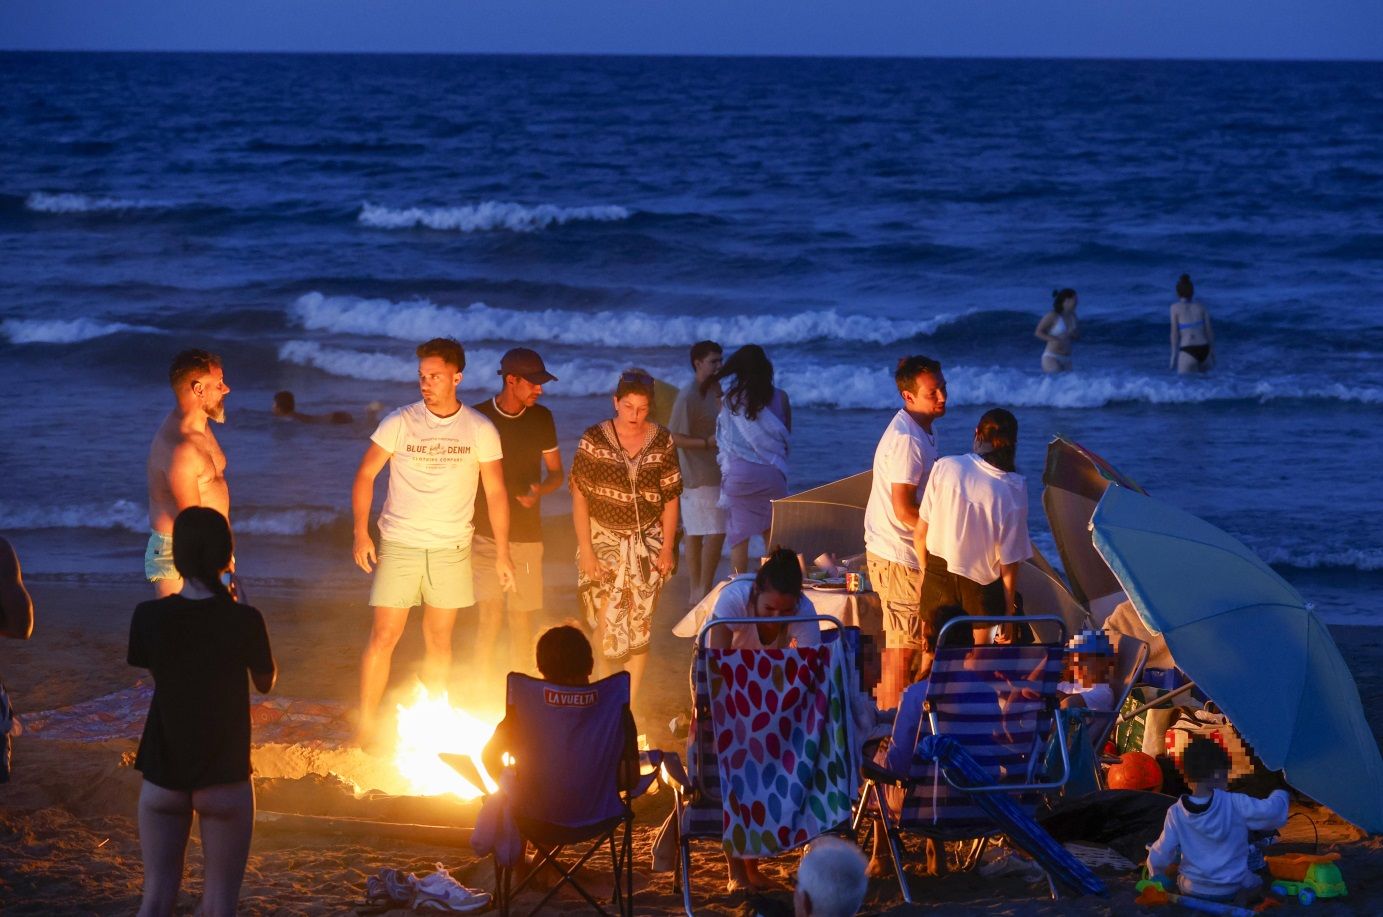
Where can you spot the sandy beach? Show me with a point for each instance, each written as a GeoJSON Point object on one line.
{"type": "Point", "coordinates": [67, 818]}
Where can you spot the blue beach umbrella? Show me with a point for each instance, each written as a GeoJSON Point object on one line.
{"type": "Point", "coordinates": [1252, 645]}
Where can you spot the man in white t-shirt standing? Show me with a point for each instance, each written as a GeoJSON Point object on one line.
{"type": "Point", "coordinates": [438, 452]}
{"type": "Point", "coordinates": [902, 461]}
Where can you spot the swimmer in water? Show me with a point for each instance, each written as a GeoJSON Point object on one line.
{"type": "Point", "coordinates": [1193, 340]}
{"type": "Point", "coordinates": [286, 406]}
{"type": "Point", "coordinates": [1059, 328]}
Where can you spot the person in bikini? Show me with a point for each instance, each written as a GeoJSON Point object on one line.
{"type": "Point", "coordinates": [186, 466]}
{"type": "Point", "coordinates": [1059, 328]}
{"type": "Point", "coordinates": [1193, 340]}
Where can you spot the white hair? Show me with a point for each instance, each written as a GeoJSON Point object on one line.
{"type": "Point", "coordinates": [831, 877]}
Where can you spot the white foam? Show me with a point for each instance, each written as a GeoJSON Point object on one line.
{"type": "Point", "coordinates": [1317, 557]}
{"type": "Point", "coordinates": [64, 331]}
{"type": "Point", "coordinates": [486, 216]}
{"type": "Point", "coordinates": [848, 386]}
{"type": "Point", "coordinates": [576, 376]}
{"type": "Point", "coordinates": [421, 319]}
{"type": "Point", "coordinates": [42, 202]}
{"type": "Point", "coordinates": [127, 515]}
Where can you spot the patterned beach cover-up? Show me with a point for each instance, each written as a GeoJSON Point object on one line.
{"type": "Point", "coordinates": [788, 764]}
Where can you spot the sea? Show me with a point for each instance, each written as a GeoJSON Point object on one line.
{"type": "Point", "coordinates": [312, 218]}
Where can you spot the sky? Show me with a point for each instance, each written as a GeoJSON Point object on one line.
{"type": "Point", "coordinates": [1232, 29]}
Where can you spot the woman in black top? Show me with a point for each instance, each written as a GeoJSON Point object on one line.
{"type": "Point", "coordinates": [195, 752]}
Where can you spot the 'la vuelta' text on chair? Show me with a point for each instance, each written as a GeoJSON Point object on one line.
{"type": "Point", "coordinates": [996, 707]}
{"type": "Point", "coordinates": [772, 754]}
{"type": "Point", "coordinates": [574, 778]}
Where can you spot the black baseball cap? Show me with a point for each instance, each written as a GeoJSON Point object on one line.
{"type": "Point", "coordinates": [526, 364]}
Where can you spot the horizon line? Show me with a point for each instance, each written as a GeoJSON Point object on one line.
{"type": "Point", "coordinates": [695, 56]}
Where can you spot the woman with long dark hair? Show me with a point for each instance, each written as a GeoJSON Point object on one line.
{"type": "Point", "coordinates": [1059, 328]}
{"type": "Point", "coordinates": [972, 528]}
{"type": "Point", "coordinates": [626, 484]}
{"type": "Point", "coordinates": [752, 433]}
{"type": "Point", "coordinates": [1193, 340]}
{"type": "Point", "coordinates": [198, 644]}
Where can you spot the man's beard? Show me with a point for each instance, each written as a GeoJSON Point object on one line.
{"type": "Point", "coordinates": [217, 412]}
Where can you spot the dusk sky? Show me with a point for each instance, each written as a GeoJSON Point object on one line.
{"type": "Point", "coordinates": [1293, 29]}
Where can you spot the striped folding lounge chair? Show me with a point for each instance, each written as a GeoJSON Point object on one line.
{"type": "Point", "coordinates": [1000, 705]}
{"type": "Point", "coordinates": [773, 761]}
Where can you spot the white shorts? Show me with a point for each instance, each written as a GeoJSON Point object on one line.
{"type": "Point", "coordinates": [700, 515]}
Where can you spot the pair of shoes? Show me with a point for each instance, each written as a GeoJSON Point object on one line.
{"type": "Point", "coordinates": [440, 892]}
{"type": "Point", "coordinates": [435, 892]}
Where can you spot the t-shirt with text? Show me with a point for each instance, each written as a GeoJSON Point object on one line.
{"type": "Point", "coordinates": [525, 437]}
{"type": "Point", "coordinates": [434, 471]}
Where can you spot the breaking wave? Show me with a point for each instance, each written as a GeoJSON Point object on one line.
{"type": "Point", "coordinates": [486, 216]}
{"type": "Point", "coordinates": [64, 331]}
{"type": "Point", "coordinates": [43, 202]}
{"type": "Point", "coordinates": [1318, 558]}
{"type": "Point", "coordinates": [421, 319]}
{"type": "Point", "coordinates": [130, 516]}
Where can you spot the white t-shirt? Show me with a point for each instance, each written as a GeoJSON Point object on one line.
{"type": "Point", "coordinates": [976, 515]}
{"type": "Point", "coordinates": [434, 470]}
{"type": "Point", "coordinates": [905, 455]}
{"type": "Point", "coordinates": [733, 602]}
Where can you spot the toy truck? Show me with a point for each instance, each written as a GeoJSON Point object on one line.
{"type": "Point", "coordinates": [1306, 876]}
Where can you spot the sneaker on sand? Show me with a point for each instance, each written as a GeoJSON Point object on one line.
{"type": "Point", "coordinates": [440, 892]}
{"type": "Point", "coordinates": [390, 885]}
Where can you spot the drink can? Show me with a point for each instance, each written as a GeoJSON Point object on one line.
{"type": "Point", "coordinates": [853, 582]}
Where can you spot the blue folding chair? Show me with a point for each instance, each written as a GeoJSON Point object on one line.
{"type": "Point", "coordinates": [575, 777]}
{"type": "Point", "coordinates": [999, 704]}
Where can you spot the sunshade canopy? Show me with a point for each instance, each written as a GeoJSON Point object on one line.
{"type": "Point", "coordinates": [829, 518]}
{"type": "Point", "coordinates": [1252, 645]}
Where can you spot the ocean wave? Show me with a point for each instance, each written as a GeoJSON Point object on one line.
{"type": "Point", "coordinates": [1317, 558]}
{"type": "Point", "coordinates": [65, 331]}
{"type": "Point", "coordinates": [575, 377]}
{"type": "Point", "coordinates": [846, 386]}
{"type": "Point", "coordinates": [129, 516]}
{"type": "Point", "coordinates": [421, 319]}
{"type": "Point", "coordinates": [42, 202]}
{"type": "Point", "coordinates": [486, 216]}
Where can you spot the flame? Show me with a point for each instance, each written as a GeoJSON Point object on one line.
{"type": "Point", "coordinates": [429, 725]}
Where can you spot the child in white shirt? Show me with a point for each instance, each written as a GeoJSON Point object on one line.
{"type": "Point", "coordinates": [1209, 828]}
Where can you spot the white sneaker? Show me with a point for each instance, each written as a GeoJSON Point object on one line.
{"type": "Point", "coordinates": [440, 892]}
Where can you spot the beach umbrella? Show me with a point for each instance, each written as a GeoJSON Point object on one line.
{"type": "Point", "coordinates": [1252, 645]}
{"type": "Point", "coordinates": [1072, 484]}
{"type": "Point", "coordinates": [829, 518]}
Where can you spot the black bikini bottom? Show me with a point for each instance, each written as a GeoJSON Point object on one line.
{"type": "Point", "coordinates": [1198, 352]}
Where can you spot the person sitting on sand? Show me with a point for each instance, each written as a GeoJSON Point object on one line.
{"type": "Point", "coordinates": [1059, 328]}
{"type": "Point", "coordinates": [286, 406]}
{"type": "Point", "coordinates": [830, 879]}
{"type": "Point", "coordinates": [1208, 829]}
{"type": "Point", "coordinates": [1193, 340]}
{"type": "Point", "coordinates": [195, 750]}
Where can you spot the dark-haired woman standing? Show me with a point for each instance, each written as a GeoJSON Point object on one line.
{"type": "Point", "coordinates": [972, 528]}
{"type": "Point", "coordinates": [1193, 340]}
{"type": "Point", "coordinates": [752, 433]}
{"type": "Point", "coordinates": [1059, 328]}
{"type": "Point", "coordinates": [625, 488]}
{"type": "Point", "coordinates": [195, 752]}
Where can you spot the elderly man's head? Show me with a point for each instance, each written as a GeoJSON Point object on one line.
{"type": "Point", "coordinates": [831, 880]}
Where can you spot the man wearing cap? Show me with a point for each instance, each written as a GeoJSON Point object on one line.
{"type": "Point", "coordinates": [529, 440]}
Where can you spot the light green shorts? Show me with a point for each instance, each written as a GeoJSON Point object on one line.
{"type": "Point", "coordinates": [528, 574]}
{"type": "Point", "coordinates": [438, 577]}
{"type": "Point", "coordinates": [158, 558]}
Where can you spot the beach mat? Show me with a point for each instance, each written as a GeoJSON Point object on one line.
{"type": "Point", "coordinates": [120, 715]}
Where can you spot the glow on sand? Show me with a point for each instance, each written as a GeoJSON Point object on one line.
{"type": "Point", "coordinates": [428, 726]}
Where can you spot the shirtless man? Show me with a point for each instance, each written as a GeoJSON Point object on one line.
{"type": "Point", "coordinates": [186, 465]}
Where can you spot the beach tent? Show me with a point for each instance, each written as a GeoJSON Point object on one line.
{"type": "Point", "coordinates": [830, 519]}
{"type": "Point", "coordinates": [1072, 484]}
{"type": "Point", "coordinates": [1251, 644]}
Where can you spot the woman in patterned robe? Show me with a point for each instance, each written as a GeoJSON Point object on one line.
{"type": "Point", "coordinates": [625, 485]}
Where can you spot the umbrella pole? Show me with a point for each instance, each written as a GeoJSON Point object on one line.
{"type": "Point", "coordinates": [1158, 701]}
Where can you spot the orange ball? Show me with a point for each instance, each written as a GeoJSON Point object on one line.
{"type": "Point", "coordinates": [1135, 771]}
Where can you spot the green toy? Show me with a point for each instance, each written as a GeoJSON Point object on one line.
{"type": "Point", "coordinates": [1306, 876]}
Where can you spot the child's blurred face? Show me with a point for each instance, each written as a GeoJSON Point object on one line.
{"type": "Point", "coordinates": [1089, 671]}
